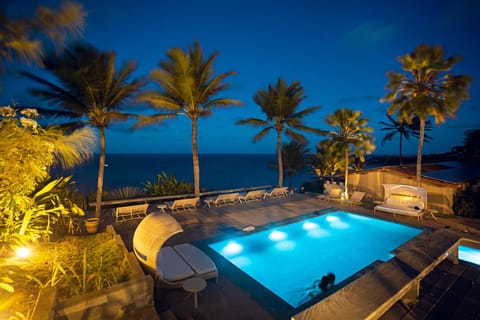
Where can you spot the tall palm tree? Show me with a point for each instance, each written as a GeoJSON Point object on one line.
{"type": "Point", "coordinates": [405, 130]}
{"type": "Point", "coordinates": [351, 135]}
{"type": "Point", "coordinates": [280, 104]}
{"type": "Point", "coordinates": [425, 88]}
{"type": "Point", "coordinates": [295, 157]}
{"type": "Point", "coordinates": [90, 89]}
{"type": "Point", "coordinates": [188, 87]}
{"type": "Point", "coordinates": [21, 39]}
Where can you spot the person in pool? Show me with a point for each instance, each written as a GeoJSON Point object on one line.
{"type": "Point", "coordinates": [325, 283]}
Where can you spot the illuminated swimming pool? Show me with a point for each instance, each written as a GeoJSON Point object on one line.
{"type": "Point", "coordinates": [288, 259]}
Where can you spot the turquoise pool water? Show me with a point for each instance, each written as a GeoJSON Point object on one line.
{"type": "Point", "coordinates": [287, 260]}
{"type": "Point", "coordinates": [469, 254]}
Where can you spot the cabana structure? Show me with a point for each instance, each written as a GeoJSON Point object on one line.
{"type": "Point", "coordinates": [171, 265]}
{"type": "Point", "coordinates": [403, 199]}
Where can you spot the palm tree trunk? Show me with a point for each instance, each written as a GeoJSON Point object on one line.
{"type": "Point", "coordinates": [279, 158]}
{"type": "Point", "coordinates": [346, 174]}
{"type": "Point", "coordinates": [196, 166]}
{"type": "Point", "coordinates": [101, 170]}
{"type": "Point", "coordinates": [420, 150]}
{"type": "Point", "coordinates": [401, 142]}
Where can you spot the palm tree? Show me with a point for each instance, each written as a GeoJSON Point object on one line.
{"type": "Point", "coordinates": [404, 129]}
{"type": "Point", "coordinates": [187, 87]}
{"type": "Point", "coordinates": [18, 39]}
{"type": "Point", "coordinates": [351, 135]}
{"type": "Point", "coordinates": [280, 104]}
{"type": "Point", "coordinates": [427, 89]}
{"type": "Point", "coordinates": [328, 159]}
{"type": "Point", "coordinates": [295, 157]}
{"type": "Point", "coordinates": [89, 89]}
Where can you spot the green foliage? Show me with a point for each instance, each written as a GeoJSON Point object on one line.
{"type": "Point", "coordinates": [328, 159]}
{"type": "Point", "coordinates": [74, 265]}
{"type": "Point", "coordinates": [350, 135]}
{"type": "Point", "coordinates": [466, 204]}
{"type": "Point", "coordinates": [124, 193]}
{"type": "Point", "coordinates": [31, 204]}
{"type": "Point", "coordinates": [166, 185]}
{"type": "Point", "coordinates": [295, 158]}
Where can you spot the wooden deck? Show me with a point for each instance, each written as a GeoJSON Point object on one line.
{"type": "Point", "coordinates": [455, 288]}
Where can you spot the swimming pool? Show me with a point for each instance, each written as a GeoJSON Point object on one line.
{"type": "Point", "coordinates": [287, 260]}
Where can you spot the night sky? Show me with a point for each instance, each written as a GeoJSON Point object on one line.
{"type": "Point", "coordinates": [339, 52]}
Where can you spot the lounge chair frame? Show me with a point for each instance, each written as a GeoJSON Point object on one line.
{"type": "Point", "coordinates": [223, 200]}
{"type": "Point", "coordinates": [253, 195]}
{"type": "Point", "coordinates": [279, 192]}
{"type": "Point", "coordinates": [181, 204]}
{"type": "Point", "coordinates": [130, 212]}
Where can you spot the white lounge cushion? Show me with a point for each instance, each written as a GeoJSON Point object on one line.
{"type": "Point", "coordinates": [399, 209]}
{"type": "Point", "coordinates": [197, 259]}
{"type": "Point", "coordinates": [171, 267]}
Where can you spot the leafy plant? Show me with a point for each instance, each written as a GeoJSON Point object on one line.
{"type": "Point", "coordinates": [465, 204]}
{"type": "Point", "coordinates": [166, 185]}
{"type": "Point", "coordinates": [125, 193]}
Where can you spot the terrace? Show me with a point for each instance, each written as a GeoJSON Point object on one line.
{"type": "Point", "coordinates": [448, 289]}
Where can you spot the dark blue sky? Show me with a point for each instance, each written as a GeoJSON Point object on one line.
{"type": "Point", "coordinates": [339, 52]}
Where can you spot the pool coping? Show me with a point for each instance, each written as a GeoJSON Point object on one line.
{"type": "Point", "coordinates": [369, 297]}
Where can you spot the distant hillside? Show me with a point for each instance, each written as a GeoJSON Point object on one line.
{"type": "Point", "coordinates": [388, 160]}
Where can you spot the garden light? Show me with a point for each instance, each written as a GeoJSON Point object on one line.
{"type": "Point", "coordinates": [23, 252]}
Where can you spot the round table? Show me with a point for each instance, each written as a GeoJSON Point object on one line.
{"type": "Point", "coordinates": [194, 285]}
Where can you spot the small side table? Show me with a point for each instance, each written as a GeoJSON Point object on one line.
{"type": "Point", "coordinates": [162, 207]}
{"type": "Point", "coordinates": [432, 213]}
{"type": "Point", "coordinates": [194, 285]}
{"type": "Point", "coordinates": [208, 202]}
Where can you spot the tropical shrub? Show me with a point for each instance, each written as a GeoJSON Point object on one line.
{"type": "Point", "coordinates": [30, 204]}
{"type": "Point", "coordinates": [124, 193]}
{"type": "Point", "coordinates": [466, 204]}
{"type": "Point", "coordinates": [73, 265]}
{"type": "Point", "coordinates": [166, 185]}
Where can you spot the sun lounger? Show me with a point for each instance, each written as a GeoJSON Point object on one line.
{"type": "Point", "coordinates": [252, 195]}
{"type": "Point", "coordinates": [333, 194]}
{"type": "Point", "coordinates": [181, 204]}
{"type": "Point", "coordinates": [355, 198]}
{"type": "Point", "coordinates": [222, 200]}
{"type": "Point", "coordinates": [200, 263]}
{"type": "Point", "coordinates": [403, 199]}
{"type": "Point", "coordinates": [276, 193]}
{"type": "Point", "coordinates": [130, 212]}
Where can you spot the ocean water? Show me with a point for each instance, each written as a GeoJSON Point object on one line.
{"type": "Point", "coordinates": [217, 171]}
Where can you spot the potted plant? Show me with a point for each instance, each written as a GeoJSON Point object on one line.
{"type": "Point", "coordinates": [91, 225]}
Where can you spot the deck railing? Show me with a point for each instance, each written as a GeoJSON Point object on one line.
{"type": "Point", "coordinates": [111, 203]}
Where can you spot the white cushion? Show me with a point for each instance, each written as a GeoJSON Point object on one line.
{"type": "Point", "coordinates": [171, 267]}
{"type": "Point", "coordinates": [197, 259]}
